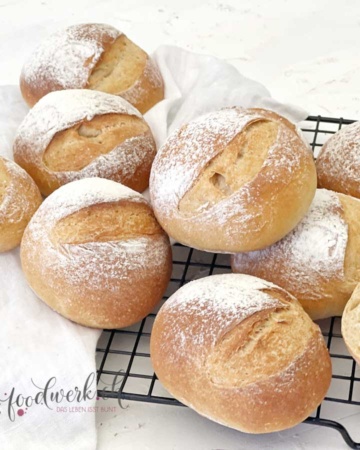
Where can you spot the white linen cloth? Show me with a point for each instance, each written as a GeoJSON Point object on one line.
{"type": "Point", "coordinates": [36, 343]}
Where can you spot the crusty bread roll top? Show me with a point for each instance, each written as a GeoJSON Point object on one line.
{"type": "Point", "coordinates": [19, 199]}
{"type": "Point", "coordinates": [338, 163]}
{"type": "Point", "coordinates": [75, 134]}
{"type": "Point", "coordinates": [242, 352]}
{"type": "Point", "coordinates": [319, 261]}
{"type": "Point", "coordinates": [350, 324]}
{"type": "Point", "coordinates": [95, 253]}
{"type": "Point", "coordinates": [94, 56]}
{"type": "Point", "coordinates": [232, 180]}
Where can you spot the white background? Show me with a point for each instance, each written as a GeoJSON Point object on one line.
{"type": "Point", "coordinates": [305, 52]}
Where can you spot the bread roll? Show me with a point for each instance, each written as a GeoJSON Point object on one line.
{"type": "Point", "coordinates": [242, 352]}
{"type": "Point", "coordinates": [338, 164]}
{"type": "Point", "coordinates": [350, 324]}
{"type": "Point", "coordinates": [94, 56]}
{"type": "Point", "coordinates": [232, 180]}
{"type": "Point", "coordinates": [77, 134]}
{"type": "Point", "coordinates": [95, 253]}
{"type": "Point", "coordinates": [19, 199]}
{"type": "Point", "coordinates": [319, 261]}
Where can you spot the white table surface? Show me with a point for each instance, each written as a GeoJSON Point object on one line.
{"type": "Point", "coordinates": [305, 52]}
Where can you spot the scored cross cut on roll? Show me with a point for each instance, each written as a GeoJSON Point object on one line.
{"type": "Point", "coordinates": [95, 253]}
{"type": "Point", "coordinates": [75, 134]}
{"type": "Point", "coordinates": [93, 56]}
{"type": "Point", "coordinates": [232, 180]}
{"type": "Point", "coordinates": [242, 352]}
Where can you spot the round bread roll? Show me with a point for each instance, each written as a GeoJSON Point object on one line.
{"type": "Point", "coordinates": [350, 325]}
{"type": "Point", "coordinates": [19, 199]}
{"type": "Point", "coordinates": [95, 253]}
{"type": "Point", "coordinates": [242, 352]}
{"type": "Point", "coordinates": [77, 134]}
{"type": "Point", "coordinates": [232, 180]}
{"type": "Point", "coordinates": [338, 164]}
{"type": "Point", "coordinates": [93, 56]}
{"type": "Point", "coordinates": [319, 261]}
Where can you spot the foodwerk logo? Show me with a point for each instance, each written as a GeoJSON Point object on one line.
{"type": "Point", "coordinates": [52, 397]}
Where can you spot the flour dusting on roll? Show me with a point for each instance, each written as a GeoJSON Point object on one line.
{"type": "Point", "coordinates": [94, 56]}
{"type": "Point", "coordinates": [232, 180]}
{"type": "Point", "coordinates": [350, 325]}
{"type": "Point", "coordinates": [338, 164]}
{"type": "Point", "coordinates": [242, 352]}
{"type": "Point", "coordinates": [318, 262]}
{"type": "Point", "coordinates": [77, 134]}
{"type": "Point", "coordinates": [95, 253]}
{"type": "Point", "coordinates": [65, 59]}
{"type": "Point", "coordinates": [19, 199]}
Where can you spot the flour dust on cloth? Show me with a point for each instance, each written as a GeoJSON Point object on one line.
{"type": "Point", "coordinates": [36, 343]}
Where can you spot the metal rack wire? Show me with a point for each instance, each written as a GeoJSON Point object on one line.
{"type": "Point", "coordinates": [123, 358]}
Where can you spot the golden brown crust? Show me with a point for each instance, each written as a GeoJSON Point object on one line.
{"type": "Point", "coordinates": [338, 290]}
{"type": "Point", "coordinates": [240, 162]}
{"type": "Point", "coordinates": [106, 222]}
{"type": "Point", "coordinates": [86, 266]}
{"type": "Point", "coordinates": [125, 69]}
{"type": "Point", "coordinates": [264, 373]}
{"type": "Point", "coordinates": [338, 165]}
{"type": "Point", "coordinates": [19, 199]}
{"type": "Point", "coordinates": [351, 207]}
{"type": "Point", "coordinates": [102, 136]}
{"type": "Point", "coordinates": [75, 148]}
{"type": "Point", "coordinates": [120, 65]}
{"type": "Point", "coordinates": [95, 138]}
{"type": "Point", "coordinates": [36, 82]}
{"type": "Point", "coordinates": [93, 56]}
{"type": "Point", "coordinates": [319, 262]}
{"type": "Point", "coordinates": [252, 216]}
{"type": "Point", "coordinates": [350, 324]}
{"type": "Point", "coordinates": [148, 90]}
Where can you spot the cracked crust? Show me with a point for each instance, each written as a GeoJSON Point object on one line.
{"type": "Point", "coordinates": [95, 254]}
{"type": "Point", "coordinates": [241, 352]}
{"type": "Point", "coordinates": [19, 199]}
{"type": "Point", "coordinates": [92, 56]}
{"type": "Point", "coordinates": [232, 180]}
{"type": "Point", "coordinates": [327, 240]}
{"type": "Point", "coordinates": [350, 324]}
{"type": "Point", "coordinates": [75, 134]}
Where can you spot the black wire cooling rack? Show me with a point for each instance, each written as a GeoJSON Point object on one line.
{"type": "Point", "coordinates": [123, 358]}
